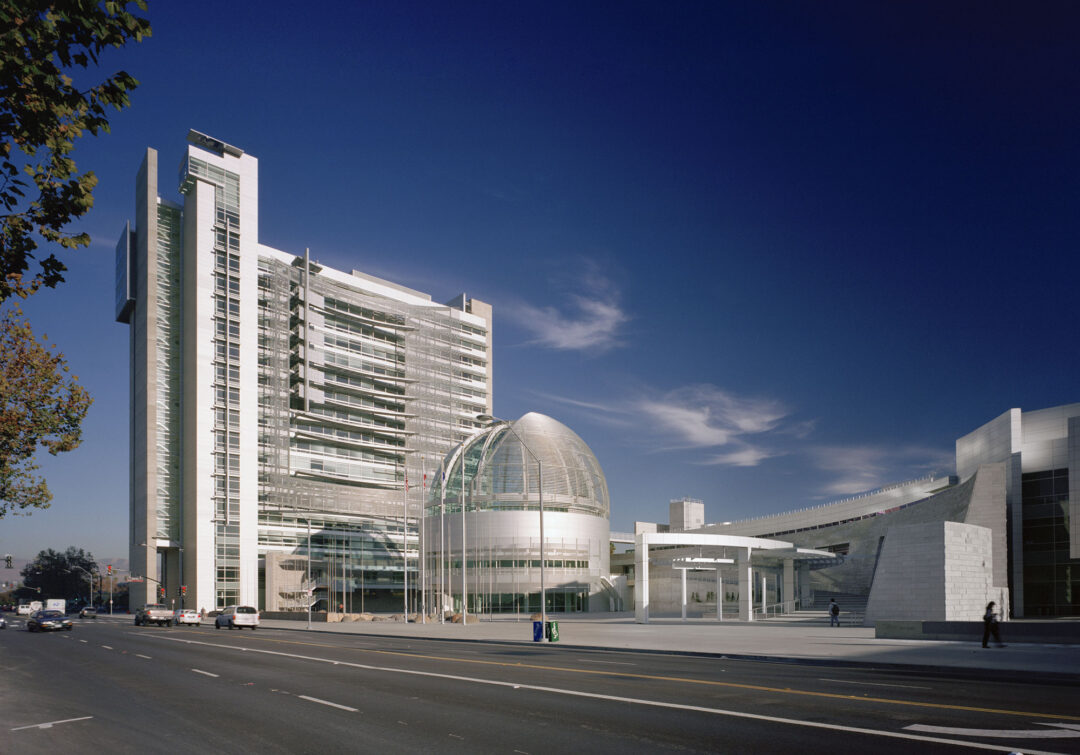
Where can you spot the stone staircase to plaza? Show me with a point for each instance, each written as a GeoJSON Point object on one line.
{"type": "Point", "coordinates": [852, 607]}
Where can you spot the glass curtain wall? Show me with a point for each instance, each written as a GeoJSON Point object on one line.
{"type": "Point", "coordinates": [360, 396]}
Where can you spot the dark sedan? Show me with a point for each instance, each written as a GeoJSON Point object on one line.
{"type": "Point", "coordinates": [43, 621]}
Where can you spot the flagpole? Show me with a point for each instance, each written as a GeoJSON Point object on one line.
{"type": "Point", "coordinates": [423, 552]}
{"type": "Point", "coordinates": [464, 553]}
{"type": "Point", "coordinates": [442, 545]}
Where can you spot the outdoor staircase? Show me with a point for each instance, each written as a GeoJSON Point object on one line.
{"type": "Point", "coordinates": [852, 607]}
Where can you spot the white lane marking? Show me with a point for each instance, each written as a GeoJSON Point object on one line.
{"type": "Point", "coordinates": [205, 673]}
{"type": "Point", "coordinates": [873, 684]}
{"type": "Point", "coordinates": [327, 702]}
{"type": "Point", "coordinates": [140, 655]}
{"type": "Point", "coordinates": [618, 699]}
{"type": "Point", "coordinates": [611, 663]}
{"type": "Point", "coordinates": [106, 647]}
{"type": "Point", "coordinates": [83, 640]}
{"type": "Point", "coordinates": [51, 724]}
{"type": "Point", "coordinates": [1073, 731]}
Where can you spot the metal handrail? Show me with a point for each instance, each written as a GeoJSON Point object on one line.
{"type": "Point", "coordinates": [776, 609]}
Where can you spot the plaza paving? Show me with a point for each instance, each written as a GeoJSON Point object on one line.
{"type": "Point", "coordinates": [807, 638]}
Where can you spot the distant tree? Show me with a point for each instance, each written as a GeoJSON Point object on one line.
{"type": "Point", "coordinates": [60, 575]}
{"type": "Point", "coordinates": [42, 113]}
{"type": "Point", "coordinates": [39, 406]}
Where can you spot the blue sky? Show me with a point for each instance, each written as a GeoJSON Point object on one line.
{"type": "Point", "coordinates": [761, 254]}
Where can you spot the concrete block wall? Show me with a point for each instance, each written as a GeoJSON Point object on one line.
{"type": "Point", "coordinates": [936, 571]}
{"type": "Point", "coordinates": [857, 571]}
{"type": "Point", "coordinates": [987, 508]}
{"type": "Point", "coordinates": [969, 579]}
{"type": "Point", "coordinates": [910, 580]}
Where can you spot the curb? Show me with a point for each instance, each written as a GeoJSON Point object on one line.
{"type": "Point", "coordinates": [953, 672]}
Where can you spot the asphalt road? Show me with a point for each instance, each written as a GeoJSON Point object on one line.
{"type": "Point", "coordinates": [110, 686]}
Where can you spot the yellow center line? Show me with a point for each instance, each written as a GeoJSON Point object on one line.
{"type": "Point", "coordinates": [680, 680]}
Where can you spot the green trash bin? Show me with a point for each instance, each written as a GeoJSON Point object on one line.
{"type": "Point", "coordinates": [553, 631]}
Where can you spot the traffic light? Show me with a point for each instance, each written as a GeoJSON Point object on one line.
{"type": "Point", "coordinates": [161, 592]}
{"type": "Point", "coordinates": [183, 590]}
{"type": "Point", "coordinates": [108, 569]}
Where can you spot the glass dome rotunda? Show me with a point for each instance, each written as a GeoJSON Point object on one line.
{"type": "Point", "coordinates": [502, 473]}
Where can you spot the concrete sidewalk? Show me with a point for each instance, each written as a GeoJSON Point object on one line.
{"type": "Point", "coordinates": [799, 640]}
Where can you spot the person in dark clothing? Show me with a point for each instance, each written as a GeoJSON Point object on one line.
{"type": "Point", "coordinates": [990, 626]}
{"type": "Point", "coordinates": [834, 613]}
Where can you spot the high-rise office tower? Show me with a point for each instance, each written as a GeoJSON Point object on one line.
{"type": "Point", "coordinates": [282, 413]}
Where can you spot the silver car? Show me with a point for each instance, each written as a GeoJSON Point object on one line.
{"type": "Point", "coordinates": [237, 617]}
{"type": "Point", "coordinates": [186, 616]}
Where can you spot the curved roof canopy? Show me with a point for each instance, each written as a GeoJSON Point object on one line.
{"type": "Point", "coordinates": [502, 474]}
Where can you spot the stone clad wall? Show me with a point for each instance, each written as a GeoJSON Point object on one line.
{"type": "Point", "coordinates": [969, 565]}
{"type": "Point", "coordinates": [939, 571]}
{"type": "Point", "coordinates": [856, 573]}
{"type": "Point", "coordinates": [979, 500]}
{"type": "Point", "coordinates": [910, 580]}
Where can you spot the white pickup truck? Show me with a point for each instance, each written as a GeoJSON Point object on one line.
{"type": "Point", "coordinates": [154, 613]}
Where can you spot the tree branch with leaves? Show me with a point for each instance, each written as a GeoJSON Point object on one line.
{"type": "Point", "coordinates": [40, 406]}
{"type": "Point", "coordinates": [42, 114]}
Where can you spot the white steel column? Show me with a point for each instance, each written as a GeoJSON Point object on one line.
{"type": "Point", "coordinates": [764, 593]}
{"type": "Point", "coordinates": [719, 595]}
{"type": "Point", "coordinates": [789, 585]}
{"type": "Point", "coordinates": [641, 581]}
{"type": "Point", "coordinates": [682, 573]}
{"type": "Point", "coordinates": [746, 590]}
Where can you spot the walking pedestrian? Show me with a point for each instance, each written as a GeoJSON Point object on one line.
{"type": "Point", "coordinates": [834, 613]}
{"type": "Point", "coordinates": [990, 626]}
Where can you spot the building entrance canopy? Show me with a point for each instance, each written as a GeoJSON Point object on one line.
{"type": "Point", "coordinates": [750, 552]}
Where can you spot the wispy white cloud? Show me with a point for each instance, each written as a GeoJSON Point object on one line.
{"type": "Point", "coordinates": [857, 469]}
{"type": "Point", "coordinates": [613, 413]}
{"type": "Point", "coordinates": [589, 321]}
{"type": "Point", "coordinates": [799, 430]}
{"type": "Point", "coordinates": [747, 456]}
{"type": "Point", "coordinates": [588, 325]}
{"type": "Point", "coordinates": [702, 417]}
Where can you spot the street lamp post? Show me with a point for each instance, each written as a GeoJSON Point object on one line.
{"type": "Point", "coordinates": [442, 544]}
{"type": "Point", "coordinates": [540, 499]}
{"type": "Point", "coordinates": [111, 574]}
{"type": "Point", "coordinates": [90, 579]}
